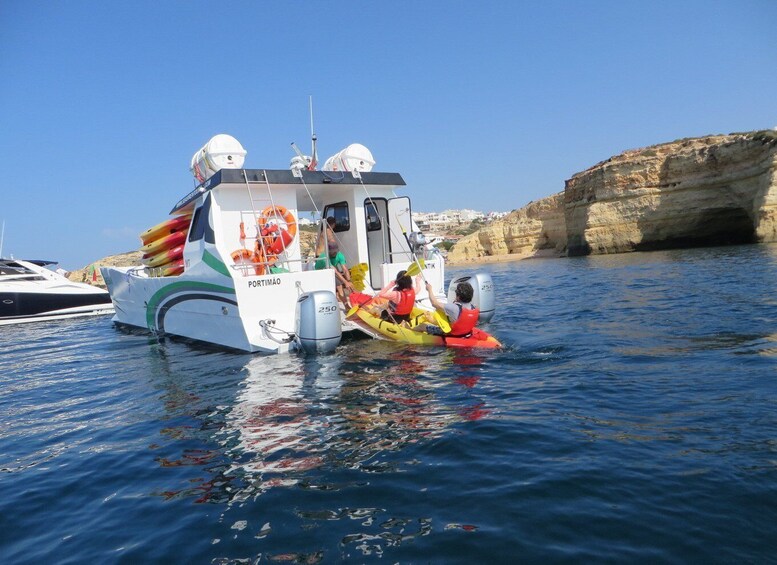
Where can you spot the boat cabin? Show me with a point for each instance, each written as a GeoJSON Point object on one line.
{"type": "Point", "coordinates": [232, 208]}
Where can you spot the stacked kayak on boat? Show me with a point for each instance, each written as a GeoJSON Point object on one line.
{"type": "Point", "coordinates": [163, 246]}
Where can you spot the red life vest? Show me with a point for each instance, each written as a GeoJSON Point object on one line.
{"type": "Point", "coordinates": [406, 302]}
{"type": "Point", "coordinates": [465, 323]}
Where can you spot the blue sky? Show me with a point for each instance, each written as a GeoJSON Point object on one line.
{"type": "Point", "coordinates": [483, 105]}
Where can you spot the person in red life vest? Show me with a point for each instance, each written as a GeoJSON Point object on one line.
{"type": "Point", "coordinates": [401, 298]}
{"type": "Point", "coordinates": [462, 315]}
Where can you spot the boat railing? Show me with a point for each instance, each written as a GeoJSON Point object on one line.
{"type": "Point", "coordinates": [248, 268]}
{"type": "Point", "coordinates": [407, 253]}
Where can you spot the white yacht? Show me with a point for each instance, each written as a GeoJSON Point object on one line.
{"type": "Point", "coordinates": [227, 267]}
{"type": "Point", "coordinates": [30, 292]}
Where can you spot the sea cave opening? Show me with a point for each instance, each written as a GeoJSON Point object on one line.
{"type": "Point", "coordinates": [708, 228]}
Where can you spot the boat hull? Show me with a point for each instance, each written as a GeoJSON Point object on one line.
{"type": "Point", "coordinates": [22, 307]}
{"type": "Point", "coordinates": [248, 313]}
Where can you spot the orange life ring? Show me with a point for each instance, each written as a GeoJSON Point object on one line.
{"type": "Point", "coordinates": [277, 238]}
{"type": "Point", "coordinates": [256, 259]}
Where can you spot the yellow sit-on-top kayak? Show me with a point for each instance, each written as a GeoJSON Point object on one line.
{"type": "Point", "coordinates": [397, 332]}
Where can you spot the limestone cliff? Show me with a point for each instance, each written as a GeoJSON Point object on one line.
{"type": "Point", "coordinates": [711, 190]}
{"type": "Point", "coordinates": [91, 273]}
{"type": "Point", "coordinates": [535, 229]}
{"type": "Point", "coordinates": [704, 191]}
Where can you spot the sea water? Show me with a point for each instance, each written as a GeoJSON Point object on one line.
{"type": "Point", "coordinates": [631, 417]}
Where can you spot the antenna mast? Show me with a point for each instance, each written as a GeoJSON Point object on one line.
{"type": "Point", "coordinates": [313, 139]}
{"type": "Point", "coordinates": [2, 236]}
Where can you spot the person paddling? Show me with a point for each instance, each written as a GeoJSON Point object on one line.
{"type": "Point", "coordinates": [401, 298]}
{"type": "Point", "coordinates": [461, 314]}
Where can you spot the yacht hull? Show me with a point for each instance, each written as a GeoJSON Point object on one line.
{"type": "Point", "coordinates": [58, 315]}
{"type": "Point", "coordinates": [31, 293]}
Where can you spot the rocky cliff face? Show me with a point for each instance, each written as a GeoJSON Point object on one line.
{"type": "Point", "coordinates": [535, 229]}
{"type": "Point", "coordinates": [91, 273]}
{"type": "Point", "coordinates": [705, 191]}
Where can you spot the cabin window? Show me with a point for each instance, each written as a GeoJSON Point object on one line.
{"type": "Point", "coordinates": [200, 226]}
{"type": "Point", "coordinates": [373, 218]}
{"type": "Point", "coordinates": [196, 231]}
{"type": "Point", "coordinates": [341, 215]}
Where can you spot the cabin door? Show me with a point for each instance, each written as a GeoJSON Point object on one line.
{"type": "Point", "coordinates": [376, 212]}
{"type": "Point", "coordinates": [386, 243]}
{"type": "Point", "coordinates": [400, 223]}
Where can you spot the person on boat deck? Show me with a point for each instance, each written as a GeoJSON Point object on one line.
{"type": "Point", "coordinates": [343, 285]}
{"type": "Point", "coordinates": [335, 259]}
{"type": "Point", "coordinates": [462, 315]}
{"type": "Point", "coordinates": [327, 240]}
{"type": "Point", "coordinates": [401, 298]}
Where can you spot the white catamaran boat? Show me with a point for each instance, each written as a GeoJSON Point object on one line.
{"type": "Point", "coordinates": [227, 267]}
{"type": "Point", "coordinates": [29, 292]}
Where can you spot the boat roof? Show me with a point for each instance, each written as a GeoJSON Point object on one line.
{"type": "Point", "coordinates": [314, 180]}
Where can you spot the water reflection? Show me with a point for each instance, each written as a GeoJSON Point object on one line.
{"type": "Point", "coordinates": [266, 422]}
{"type": "Point", "coordinates": [273, 428]}
{"type": "Point", "coordinates": [762, 345]}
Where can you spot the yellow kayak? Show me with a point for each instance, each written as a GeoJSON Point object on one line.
{"type": "Point", "coordinates": [163, 257]}
{"type": "Point", "coordinates": [163, 243]}
{"type": "Point", "coordinates": [397, 332]}
{"type": "Point", "coordinates": [163, 229]}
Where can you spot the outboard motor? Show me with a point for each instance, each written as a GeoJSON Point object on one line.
{"type": "Point", "coordinates": [483, 296]}
{"type": "Point", "coordinates": [417, 241]}
{"type": "Point", "coordinates": [318, 326]}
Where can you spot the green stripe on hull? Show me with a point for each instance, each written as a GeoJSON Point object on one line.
{"type": "Point", "coordinates": [177, 287]}
{"type": "Point", "coordinates": [214, 263]}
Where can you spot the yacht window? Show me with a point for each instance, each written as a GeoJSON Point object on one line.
{"type": "Point", "coordinates": [373, 219]}
{"type": "Point", "coordinates": [340, 213]}
{"type": "Point", "coordinates": [14, 268]}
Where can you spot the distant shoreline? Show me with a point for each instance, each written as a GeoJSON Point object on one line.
{"type": "Point", "coordinates": [486, 259]}
{"type": "Point", "coordinates": [550, 254]}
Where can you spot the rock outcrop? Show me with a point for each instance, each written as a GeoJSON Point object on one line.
{"type": "Point", "coordinates": [712, 190]}
{"type": "Point", "coordinates": [536, 229]}
{"type": "Point", "coordinates": [91, 273]}
{"type": "Point", "coordinates": [706, 191]}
